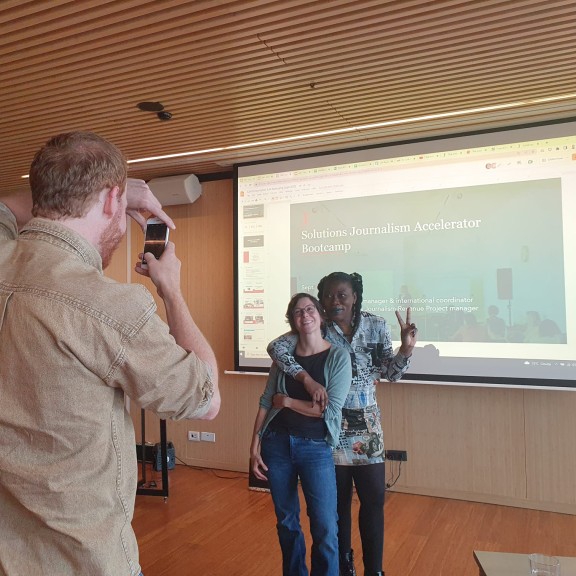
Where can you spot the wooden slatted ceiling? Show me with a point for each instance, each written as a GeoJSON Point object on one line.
{"type": "Point", "coordinates": [236, 72]}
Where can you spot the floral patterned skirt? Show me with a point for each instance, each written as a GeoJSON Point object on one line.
{"type": "Point", "coordinates": [361, 438]}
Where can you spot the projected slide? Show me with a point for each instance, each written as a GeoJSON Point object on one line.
{"type": "Point", "coordinates": [443, 252]}
{"type": "Point", "coordinates": [477, 234]}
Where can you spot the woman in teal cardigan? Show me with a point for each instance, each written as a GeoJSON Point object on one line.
{"type": "Point", "coordinates": [293, 440]}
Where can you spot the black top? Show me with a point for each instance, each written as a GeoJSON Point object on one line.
{"type": "Point", "coordinates": [290, 422]}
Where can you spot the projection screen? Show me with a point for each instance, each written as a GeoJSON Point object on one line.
{"type": "Point", "coordinates": [475, 232]}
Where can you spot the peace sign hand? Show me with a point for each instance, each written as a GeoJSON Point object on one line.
{"type": "Point", "coordinates": [408, 333]}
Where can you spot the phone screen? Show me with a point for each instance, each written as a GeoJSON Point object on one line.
{"type": "Point", "coordinates": [156, 238]}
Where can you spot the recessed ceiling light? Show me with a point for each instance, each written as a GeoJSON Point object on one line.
{"type": "Point", "coordinates": [150, 106]}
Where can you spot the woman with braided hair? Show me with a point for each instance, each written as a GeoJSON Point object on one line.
{"type": "Point", "coordinates": [359, 456]}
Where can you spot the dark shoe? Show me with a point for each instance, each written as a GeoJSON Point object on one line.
{"type": "Point", "coordinates": [347, 564]}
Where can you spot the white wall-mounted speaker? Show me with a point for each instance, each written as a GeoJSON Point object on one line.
{"type": "Point", "coordinates": [170, 190]}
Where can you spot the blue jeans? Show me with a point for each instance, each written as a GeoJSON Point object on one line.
{"type": "Point", "coordinates": [289, 458]}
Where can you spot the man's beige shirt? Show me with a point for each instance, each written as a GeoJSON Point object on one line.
{"type": "Point", "coordinates": [72, 344]}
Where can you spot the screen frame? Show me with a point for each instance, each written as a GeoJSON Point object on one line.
{"type": "Point", "coordinates": [436, 379]}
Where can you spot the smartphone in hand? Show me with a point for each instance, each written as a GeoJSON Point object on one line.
{"type": "Point", "coordinates": [157, 233]}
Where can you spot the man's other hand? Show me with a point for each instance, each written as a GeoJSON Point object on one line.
{"type": "Point", "coordinates": [141, 202]}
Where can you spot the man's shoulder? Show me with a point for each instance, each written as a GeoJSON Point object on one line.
{"type": "Point", "coordinates": [123, 290]}
{"type": "Point", "coordinates": [127, 304]}
{"type": "Point", "coordinates": [123, 307]}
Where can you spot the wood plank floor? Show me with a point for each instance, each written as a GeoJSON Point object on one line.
{"type": "Point", "coordinates": [212, 525]}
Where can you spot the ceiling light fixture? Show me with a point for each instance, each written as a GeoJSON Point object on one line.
{"type": "Point", "coordinates": [150, 106]}
{"type": "Point", "coordinates": [164, 115]}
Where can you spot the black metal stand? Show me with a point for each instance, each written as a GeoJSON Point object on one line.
{"type": "Point", "coordinates": [163, 461]}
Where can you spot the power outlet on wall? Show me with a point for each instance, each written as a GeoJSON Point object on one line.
{"type": "Point", "coordinates": [396, 455]}
{"type": "Point", "coordinates": [193, 436]}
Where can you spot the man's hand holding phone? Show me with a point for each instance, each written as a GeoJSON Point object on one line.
{"type": "Point", "coordinates": [156, 238]}
{"type": "Point", "coordinates": [164, 272]}
{"type": "Point", "coordinates": [158, 259]}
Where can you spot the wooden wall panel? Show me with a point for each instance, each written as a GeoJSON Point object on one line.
{"type": "Point", "coordinates": [459, 439]}
{"type": "Point", "coordinates": [204, 243]}
{"type": "Point", "coordinates": [502, 446]}
{"type": "Point", "coordinates": [551, 435]}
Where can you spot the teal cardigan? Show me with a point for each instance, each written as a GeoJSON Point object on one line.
{"type": "Point", "coordinates": [338, 378]}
